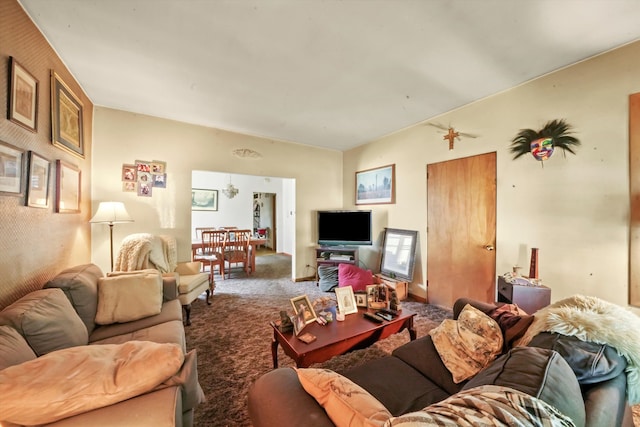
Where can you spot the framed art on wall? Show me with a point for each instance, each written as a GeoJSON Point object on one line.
{"type": "Point", "coordinates": [23, 97]}
{"type": "Point", "coordinates": [66, 118]}
{"type": "Point", "coordinates": [38, 181]}
{"type": "Point", "coordinates": [67, 188]}
{"type": "Point", "coordinates": [376, 186]}
{"type": "Point", "coordinates": [11, 167]}
{"type": "Point", "coordinates": [204, 200]}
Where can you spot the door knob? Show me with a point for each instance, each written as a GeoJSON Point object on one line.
{"type": "Point", "coordinates": [489, 247]}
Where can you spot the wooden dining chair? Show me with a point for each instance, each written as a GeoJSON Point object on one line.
{"type": "Point", "coordinates": [213, 242]}
{"type": "Point", "coordinates": [236, 250]}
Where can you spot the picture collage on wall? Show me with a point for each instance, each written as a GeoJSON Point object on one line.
{"type": "Point", "coordinates": [143, 176]}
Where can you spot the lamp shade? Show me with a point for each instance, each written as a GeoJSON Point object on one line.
{"type": "Point", "coordinates": [111, 213]}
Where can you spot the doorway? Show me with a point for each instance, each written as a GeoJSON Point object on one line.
{"type": "Point", "coordinates": [461, 229]}
{"type": "Point", "coordinates": [264, 224]}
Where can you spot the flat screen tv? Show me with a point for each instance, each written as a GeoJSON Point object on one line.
{"type": "Point", "coordinates": [344, 228]}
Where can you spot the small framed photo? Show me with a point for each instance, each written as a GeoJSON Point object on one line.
{"type": "Point", "coordinates": [129, 173]}
{"type": "Point", "coordinates": [23, 97]}
{"type": "Point", "coordinates": [302, 305]}
{"type": "Point", "coordinates": [67, 188]}
{"type": "Point", "coordinates": [11, 167]}
{"type": "Point", "coordinates": [377, 296]}
{"type": "Point", "coordinates": [346, 300]}
{"type": "Point", "coordinates": [159, 181]}
{"type": "Point", "coordinates": [129, 187]}
{"type": "Point", "coordinates": [67, 126]}
{"type": "Point", "coordinates": [361, 298]}
{"type": "Point", "coordinates": [298, 322]}
{"type": "Point", "coordinates": [143, 166]}
{"type": "Point", "coordinates": [158, 167]}
{"type": "Point", "coordinates": [376, 186]}
{"type": "Point", "coordinates": [145, 189]}
{"type": "Point", "coordinates": [38, 181]}
{"type": "Point", "coordinates": [204, 200]}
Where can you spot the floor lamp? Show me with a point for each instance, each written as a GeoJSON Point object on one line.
{"type": "Point", "coordinates": [111, 213]}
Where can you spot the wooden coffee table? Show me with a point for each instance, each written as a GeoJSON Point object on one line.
{"type": "Point", "coordinates": [337, 338]}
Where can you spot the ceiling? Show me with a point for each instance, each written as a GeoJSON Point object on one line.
{"type": "Point", "coordinates": [328, 73]}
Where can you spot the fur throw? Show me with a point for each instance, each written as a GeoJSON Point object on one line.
{"type": "Point", "coordinates": [594, 320]}
{"type": "Point", "coordinates": [140, 250]}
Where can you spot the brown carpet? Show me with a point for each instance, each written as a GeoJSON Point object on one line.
{"type": "Point", "coordinates": [233, 337]}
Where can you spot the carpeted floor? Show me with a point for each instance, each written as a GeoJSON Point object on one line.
{"type": "Point", "coordinates": [233, 336]}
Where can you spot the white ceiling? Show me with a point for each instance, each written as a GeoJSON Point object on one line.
{"type": "Point", "coordinates": [328, 73]}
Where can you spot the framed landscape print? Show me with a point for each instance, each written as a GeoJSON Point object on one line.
{"type": "Point", "coordinates": [23, 97]}
{"type": "Point", "coordinates": [38, 181]}
{"type": "Point", "coordinates": [204, 200]}
{"type": "Point", "coordinates": [376, 186]}
{"type": "Point", "coordinates": [67, 188]}
{"type": "Point", "coordinates": [66, 117]}
{"type": "Point", "coordinates": [11, 167]}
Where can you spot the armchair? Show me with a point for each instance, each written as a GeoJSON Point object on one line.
{"type": "Point", "coordinates": [141, 251]}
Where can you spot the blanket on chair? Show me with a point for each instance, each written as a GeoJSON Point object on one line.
{"type": "Point", "coordinates": [594, 320]}
{"type": "Point", "coordinates": [140, 250]}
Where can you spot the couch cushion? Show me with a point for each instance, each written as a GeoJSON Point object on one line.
{"type": "Point", "coordinates": [468, 344]}
{"type": "Point", "coordinates": [189, 282]}
{"type": "Point", "coordinates": [13, 348]}
{"type": "Point", "coordinates": [513, 322]}
{"type": "Point", "coordinates": [169, 332]}
{"type": "Point", "coordinates": [75, 380]}
{"type": "Point", "coordinates": [541, 373]}
{"type": "Point", "coordinates": [354, 276]}
{"type": "Point", "coordinates": [591, 363]}
{"type": "Point", "coordinates": [80, 285]}
{"type": "Point", "coordinates": [46, 319]}
{"type": "Point", "coordinates": [346, 403]}
{"type": "Point", "coordinates": [128, 297]}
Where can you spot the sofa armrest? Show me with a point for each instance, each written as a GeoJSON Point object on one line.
{"type": "Point", "coordinates": [278, 399]}
{"type": "Point", "coordinates": [189, 267]}
{"type": "Point", "coordinates": [169, 286]}
{"type": "Point", "coordinates": [484, 307]}
{"type": "Point", "coordinates": [605, 402]}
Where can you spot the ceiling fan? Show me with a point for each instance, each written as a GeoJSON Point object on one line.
{"type": "Point", "coordinates": [451, 134]}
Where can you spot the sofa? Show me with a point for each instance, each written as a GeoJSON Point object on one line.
{"type": "Point", "coordinates": [583, 381]}
{"type": "Point", "coordinates": [90, 349]}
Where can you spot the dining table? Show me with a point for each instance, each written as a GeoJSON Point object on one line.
{"type": "Point", "coordinates": [254, 242]}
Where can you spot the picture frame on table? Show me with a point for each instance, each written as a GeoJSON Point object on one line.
{"type": "Point", "coordinates": [361, 298]}
{"type": "Point", "coordinates": [68, 186]}
{"type": "Point", "coordinates": [67, 125]}
{"type": "Point", "coordinates": [376, 186]}
{"type": "Point", "coordinates": [346, 300]}
{"type": "Point", "coordinates": [38, 181]}
{"type": "Point", "coordinates": [23, 97]}
{"type": "Point", "coordinates": [204, 199]}
{"type": "Point", "coordinates": [11, 169]}
{"type": "Point", "coordinates": [298, 323]}
{"type": "Point", "coordinates": [377, 296]}
{"type": "Point", "coordinates": [301, 304]}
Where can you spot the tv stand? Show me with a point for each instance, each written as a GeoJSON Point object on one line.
{"type": "Point", "coordinates": [335, 255]}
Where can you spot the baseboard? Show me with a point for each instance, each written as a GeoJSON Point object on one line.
{"type": "Point", "coordinates": [417, 298]}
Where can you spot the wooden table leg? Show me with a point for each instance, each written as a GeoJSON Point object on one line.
{"type": "Point", "coordinates": [274, 350]}
{"type": "Point", "coordinates": [411, 329]}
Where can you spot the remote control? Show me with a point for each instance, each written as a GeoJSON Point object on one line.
{"type": "Point", "coordinates": [389, 311]}
{"type": "Point", "coordinates": [372, 317]}
{"type": "Point", "coordinates": [385, 316]}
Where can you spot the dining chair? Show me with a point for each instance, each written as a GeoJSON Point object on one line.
{"type": "Point", "coordinates": [236, 250]}
{"type": "Point", "coordinates": [199, 231]}
{"type": "Point", "coordinates": [213, 242]}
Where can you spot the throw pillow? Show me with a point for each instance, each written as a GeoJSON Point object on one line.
{"type": "Point", "coordinates": [513, 322]}
{"type": "Point", "coordinates": [328, 277]}
{"type": "Point", "coordinates": [47, 320]}
{"type": "Point", "coordinates": [354, 276]}
{"type": "Point", "coordinates": [468, 344]}
{"type": "Point", "coordinates": [79, 379]}
{"type": "Point", "coordinates": [346, 403]}
{"type": "Point", "coordinates": [129, 297]}
{"type": "Point", "coordinates": [13, 348]}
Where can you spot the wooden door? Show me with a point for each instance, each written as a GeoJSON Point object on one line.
{"type": "Point", "coordinates": [461, 229]}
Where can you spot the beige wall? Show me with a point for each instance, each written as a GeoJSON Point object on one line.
{"type": "Point", "coordinates": [575, 209]}
{"type": "Point", "coordinates": [35, 244]}
{"type": "Point", "coordinates": [122, 137]}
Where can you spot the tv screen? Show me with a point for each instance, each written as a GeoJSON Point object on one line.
{"type": "Point", "coordinates": [344, 228]}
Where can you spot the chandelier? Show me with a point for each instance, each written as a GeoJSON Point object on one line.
{"type": "Point", "coordinates": [230, 191]}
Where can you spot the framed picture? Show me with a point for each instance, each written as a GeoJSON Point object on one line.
{"type": "Point", "coordinates": [66, 118]}
{"type": "Point", "coordinates": [376, 186]}
{"type": "Point", "coordinates": [129, 173]}
{"type": "Point", "coordinates": [361, 298]}
{"type": "Point", "coordinates": [129, 187]}
{"type": "Point", "coordinates": [23, 97]}
{"type": "Point", "coordinates": [11, 167]}
{"type": "Point", "coordinates": [302, 306]}
{"type": "Point", "coordinates": [145, 189]}
{"type": "Point", "coordinates": [159, 181]}
{"type": "Point", "coordinates": [158, 167]}
{"type": "Point", "coordinates": [38, 181]}
{"type": "Point", "coordinates": [67, 188]}
{"type": "Point", "coordinates": [377, 296]}
{"type": "Point", "coordinates": [204, 200]}
{"type": "Point", "coordinates": [346, 300]}
{"type": "Point", "coordinates": [398, 253]}
{"type": "Point", "coordinates": [298, 322]}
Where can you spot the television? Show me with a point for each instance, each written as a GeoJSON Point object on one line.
{"type": "Point", "coordinates": [344, 228]}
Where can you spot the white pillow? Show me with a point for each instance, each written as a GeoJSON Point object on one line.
{"type": "Point", "coordinates": [68, 382]}
{"type": "Point", "coordinates": [128, 297]}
